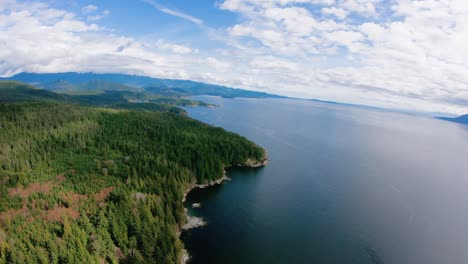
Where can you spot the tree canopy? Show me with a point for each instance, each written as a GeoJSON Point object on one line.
{"type": "Point", "coordinates": [82, 184]}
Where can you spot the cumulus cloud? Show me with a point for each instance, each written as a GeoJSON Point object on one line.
{"type": "Point", "coordinates": [89, 9]}
{"type": "Point", "coordinates": [218, 64]}
{"type": "Point", "coordinates": [403, 53]}
{"type": "Point", "coordinates": [38, 38]}
{"type": "Point", "coordinates": [175, 48]}
{"type": "Point", "coordinates": [338, 12]}
{"type": "Point", "coordinates": [97, 17]}
{"type": "Point", "coordinates": [406, 54]}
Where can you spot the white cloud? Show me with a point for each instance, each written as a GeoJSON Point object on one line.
{"type": "Point", "coordinates": [37, 38]}
{"type": "Point", "coordinates": [217, 64]}
{"type": "Point", "coordinates": [174, 12]}
{"type": "Point", "coordinates": [89, 9]}
{"type": "Point", "coordinates": [362, 7]}
{"type": "Point", "coordinates": [272, 65]}
{"type": "Point", "coordinates": [337, 12]}
{"type": "Point", "coordinates": [175, 48]}
{"type": "Point", "coordinates": [405, 54]}
{"type": "Point", "coordinates": [98, 16]}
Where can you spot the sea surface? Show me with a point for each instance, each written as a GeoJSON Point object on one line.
{"type": "Point", "coordinates": [344, 185]}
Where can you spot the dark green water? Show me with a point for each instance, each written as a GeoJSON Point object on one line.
{"type": "Point", "coordinates": [344, 185]}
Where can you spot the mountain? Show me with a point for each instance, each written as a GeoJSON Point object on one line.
{"type": "Point", "coordinates": [42, 79]}
{"type": "Point", "coordinates": [73, 81]}
{"type": "Point", "coordinates": [463, 119]}
{"type": "Point", "coordinates": [13, 91]}
{"type": "Point", "coordinates": [206, 89]}
{"type": "Point", "coordinates": [63, 86]}
{"type": "Point", "coordinates": [87, 184]}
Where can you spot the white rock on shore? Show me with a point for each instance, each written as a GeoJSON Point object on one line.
{"type": "Point", "coordinates": [193, 222]}
{"type": "Point", "coordinates": [205, 185]}
{"type": "Point", "coordinates": [251, 163]}
{"type": "Point", "coordinates": [185, 256]}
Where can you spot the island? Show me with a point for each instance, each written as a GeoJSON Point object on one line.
{"type": "Point", "coordinates": [93, 180]}
{"type": "Point", "coordinates": [463, 119]}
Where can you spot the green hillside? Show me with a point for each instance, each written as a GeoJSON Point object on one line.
{"type": "Point", "coordinates": [62, 86]}
{"type": "Point", "coordinates": [83, 184]}
{"type": "Point", "coordinates": [12, 91]}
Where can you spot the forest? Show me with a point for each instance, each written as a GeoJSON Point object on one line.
{"type": "Point", "coordinates": [90, 184]}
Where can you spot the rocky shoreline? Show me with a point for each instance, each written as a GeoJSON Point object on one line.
{"type": "Point", "coordinates": [193, 221]}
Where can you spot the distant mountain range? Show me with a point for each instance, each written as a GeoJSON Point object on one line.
{"type": "Point", "coordinates": [72, 82]}
{"type": "Point", "coordinates": [14, 92]}
{"type": "Point", "coordinates": [463, 119]}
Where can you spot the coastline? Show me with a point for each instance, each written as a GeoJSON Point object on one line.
{"type": "Point", "coordinates": [195, 222]}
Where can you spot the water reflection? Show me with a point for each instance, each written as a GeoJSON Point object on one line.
{"type": "Point", "coordinates": [345, 185]}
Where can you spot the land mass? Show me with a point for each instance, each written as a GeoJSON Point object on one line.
{"type": "Point", "coordinates": [14, 91]}
{"type": "Point", "coordinates": [78, 83]}
{"type": "Point", "coordinates": [463, 119]}
{"type": "Point", "coordinates": [102, 180]}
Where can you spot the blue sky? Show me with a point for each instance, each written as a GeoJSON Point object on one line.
{"type": "Point", "coordinates": [399, 54]}
{"type": "Point", "coordinates": [141, 19]}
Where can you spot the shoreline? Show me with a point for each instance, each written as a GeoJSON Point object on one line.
{"type": "Point", "coordinates": [195, 222]}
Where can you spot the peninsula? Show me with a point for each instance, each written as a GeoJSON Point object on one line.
{"type": "Point", "coordinates": [90, 182]}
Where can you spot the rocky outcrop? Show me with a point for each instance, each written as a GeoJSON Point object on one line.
{"type": "Point", "coordinates": [194, 222]}
{"type": "Point", "coordinates": [251, 163]}
{"type": "Point", "coordinates": [206, 185]}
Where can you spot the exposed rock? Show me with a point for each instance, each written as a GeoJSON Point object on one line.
{"type": "Point", "coordinates": [251, 163]}
{"type": "Point", "coordinates": [185, 256]}
{"type": "Point", "coordinates": [205, 185]}
{"type": "Point", "coordinates": [193, 222]}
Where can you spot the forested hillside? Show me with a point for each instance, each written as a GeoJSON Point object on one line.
{"type": "Point", "coordinates": [82, 184]}
{"type": "Point", "coordinates": [12, 91]}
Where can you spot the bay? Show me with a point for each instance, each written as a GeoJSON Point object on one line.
{"type": "Point", "coordinates": [344, 185]}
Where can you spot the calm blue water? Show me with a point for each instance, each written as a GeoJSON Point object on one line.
{"type": "Point", "coordinates": [344, 185]}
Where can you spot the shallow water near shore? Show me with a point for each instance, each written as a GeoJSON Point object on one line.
{"type": "Point", "coordinates": [344, 185]}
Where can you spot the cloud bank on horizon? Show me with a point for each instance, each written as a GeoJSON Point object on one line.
{"type": "Point", "coordinates": [403, 54]}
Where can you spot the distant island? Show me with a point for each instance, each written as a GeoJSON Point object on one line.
{"type": "Point", "coordinates": [463, 119]}
{"type": "Point", "coordinates": [100, 178]}
{"type": "Point", "coordinates": [92, 83]}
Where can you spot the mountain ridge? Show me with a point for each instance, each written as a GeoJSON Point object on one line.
{"type": "Point", "coordinates": [463, 119]}
{"type": "Point", "coordinates": [69, 81]}
{"type": "Point", "coordinates": [101, 178]}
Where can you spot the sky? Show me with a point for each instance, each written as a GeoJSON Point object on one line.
{"type": "Point", "coordinates": [398, 54]}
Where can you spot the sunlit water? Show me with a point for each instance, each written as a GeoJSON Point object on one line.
{"type": "Point", "coordinates": [344, 185]}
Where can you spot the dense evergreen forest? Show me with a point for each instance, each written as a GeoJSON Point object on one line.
{"type": "Point", "coordinates": [85, 184]}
